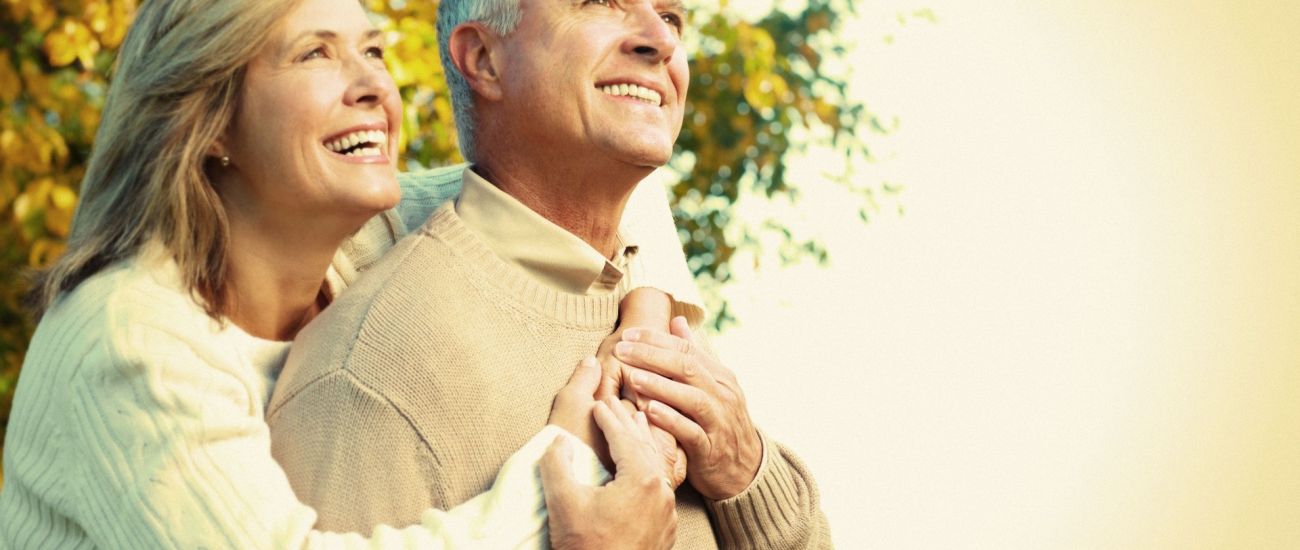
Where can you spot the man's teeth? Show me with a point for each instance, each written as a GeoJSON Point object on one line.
{"type": "Point", "coordinates": [632, 90]}
{"type": "Point", "coordinates": [377, 139]}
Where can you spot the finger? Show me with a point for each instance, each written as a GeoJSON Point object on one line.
{"type": "Point", "coordinates": [558, 484]}
{"type": "Point", "coordinates": [584, 379]}
{"type": "Point", "coordinates": [611, 375]}
{"type": "Point", "coordinates": [658, 338]}
{"type": "Point", "coordinates": [680, 328]}
{"type": "Point", "coordinates": [667, 362]}
{"type": "Point", "coordinates": [630, 395]}
{"type": "Point", "coordinates": [629, 454]}
{"type": "Point", "coordinates": [690, 400]}
{"type": "Point", "coordinates": [672, 457]}
{"type": "Point", "coordinates": [693, 439]}
{"type": "Point", "coordinates": [622, 411]}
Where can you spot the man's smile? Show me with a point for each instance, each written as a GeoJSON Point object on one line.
{"type": "Point", "coordinates": [634, 91]}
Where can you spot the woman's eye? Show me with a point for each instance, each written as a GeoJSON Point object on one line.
{"type": "Point", "coordinates": [375, 52]}
{"type": "Point", "coordinates": [314, 54]}
{"type": "Point", "coordinates": [599, 2]}
{"type": "Point", "coordinates": [673, 20]}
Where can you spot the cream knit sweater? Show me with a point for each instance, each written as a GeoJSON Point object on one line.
{"type": "Point", "coordinates": [413, 388]}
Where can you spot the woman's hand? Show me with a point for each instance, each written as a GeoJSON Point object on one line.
{"type": "Point", "coordinates": [636, 510]}
{"type": "Point", "coordinates": [572, 410]}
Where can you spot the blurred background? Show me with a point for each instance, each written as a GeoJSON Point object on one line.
{"type": "Point", "coordinates": [1006, 274]}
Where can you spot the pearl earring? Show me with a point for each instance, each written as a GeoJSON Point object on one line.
{"type": "Point", "coordinates": [225, 161]}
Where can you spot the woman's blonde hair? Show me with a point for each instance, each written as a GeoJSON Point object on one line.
{"type": "Point", "coordinates": [174, 91]}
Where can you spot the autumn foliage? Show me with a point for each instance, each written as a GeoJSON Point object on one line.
{"type": "Point", "coordinates": [754, 82]}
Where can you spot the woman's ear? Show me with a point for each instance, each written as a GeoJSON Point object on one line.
{"type": "Point", "coordinates": [474, 50]}
{"type": "Point", "coordinates": [217, 149]}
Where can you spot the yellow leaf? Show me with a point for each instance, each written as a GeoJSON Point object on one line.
{"type": "Point", "coordinates": [10, 84]}
{"type": "Point", "coordinates": [764, 90]}
{"type": "Point", "coordinates": [119, 19]}
{"type": "Point", "coordinates": [757, 47]}
{"type": "Point", "coordinates": [44, 251]}
{"type": "Point", "coordinates": [8, 190]}
{"type": "Point", "coordinates": [37, 84]}
{"type": "Point", "coordinates": [72, 41]}
{"type": "Point", "coordinates": [97, 16]}
{"type": "Point", "coordinates": [57, 221]}
{"type": "Point", "coordinates": [22, 207]}
{"type": "Point", "coordinates": [43, 15]}
{"type": "Point", "coordinates": [63, 198]}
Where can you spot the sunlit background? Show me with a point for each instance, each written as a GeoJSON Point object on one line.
{"type": "Point", "coordinates": [1084, 330]}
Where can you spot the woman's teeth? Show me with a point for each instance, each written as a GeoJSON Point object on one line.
{"type": "Point", "coordinates": [632, 90]}
{"type": "Point", "coordinates": [362, 143]}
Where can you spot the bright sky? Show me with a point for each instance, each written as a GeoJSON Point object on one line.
{"type": "Point", "coordinates": [1085, 330]}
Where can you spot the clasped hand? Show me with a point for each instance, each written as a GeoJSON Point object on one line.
{"type": "Point", "coordinates": [692, 396]}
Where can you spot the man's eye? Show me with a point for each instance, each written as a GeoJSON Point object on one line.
{"type": "Point", "coordinates": [598, 2]}
{"type": "Point", "coordinates": [375, 52]}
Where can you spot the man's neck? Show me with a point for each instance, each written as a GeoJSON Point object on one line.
{"type": "Point", "coordinates": [587, 203]}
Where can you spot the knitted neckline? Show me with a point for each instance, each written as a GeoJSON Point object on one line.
{"type": "Point", "coordinates": [579, 311]}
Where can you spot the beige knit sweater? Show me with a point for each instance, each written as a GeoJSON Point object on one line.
{"type": "Point", "coordinates": [412, 389]}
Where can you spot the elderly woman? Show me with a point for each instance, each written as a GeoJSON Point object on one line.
{"type": "Point", "coordinates": [242, 143]}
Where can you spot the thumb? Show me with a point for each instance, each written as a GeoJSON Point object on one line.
{"type": "Point", "coordinates": [585, 377]}
{"type": "Point", "coordinates": [680, 328]}
{"type": "Point", "coordinates": [558, 484]}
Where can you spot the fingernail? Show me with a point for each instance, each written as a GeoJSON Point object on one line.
{"type": "Point", "coordinates": [631, 335]}
{"type": "Point", "coordinates": [653, 407]}
{"type": "Point", "coordinates": [590, 362]}
{"type": "Point", "coordinates": [622, 348]}
{"type": "Point", "coordinates": [638, 378]}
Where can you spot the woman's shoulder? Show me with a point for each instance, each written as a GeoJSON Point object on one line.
{"type": "Point", "coordinates": [134, 304]}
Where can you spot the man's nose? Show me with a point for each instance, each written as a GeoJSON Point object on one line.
{"type": "Point", "coordinates": [650, 36]}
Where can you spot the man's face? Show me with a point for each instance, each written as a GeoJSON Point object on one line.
{"type": "Point", "coordinates": [600, 79]}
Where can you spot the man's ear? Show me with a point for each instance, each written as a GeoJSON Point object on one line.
{"type": "Point", "coordinates": [475, 51]}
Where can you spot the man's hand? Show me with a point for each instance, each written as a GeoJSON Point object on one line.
{"type": "Point", "coordinates": [705, 409]}
{"type": "Point", "coordinates": [572, 411]}
{"type": "Point", "coordinates": [636, 510]}
{"type": "Point", "coordinates": [643, 307]}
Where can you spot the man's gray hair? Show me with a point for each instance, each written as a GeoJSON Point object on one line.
{"type": "Point", "coordinates": [502, 16]}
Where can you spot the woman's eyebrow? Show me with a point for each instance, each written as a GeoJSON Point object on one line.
{"type": "Point", "coordinates": [327, 35]}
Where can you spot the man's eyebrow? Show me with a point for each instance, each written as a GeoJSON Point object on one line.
{"type": "Point", "coordinates": [677, 6]}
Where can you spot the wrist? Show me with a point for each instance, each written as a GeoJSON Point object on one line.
{"type": "Point", "coordinates": [750, 460]}
{"type": "Point", "coordinates": [645, 307]}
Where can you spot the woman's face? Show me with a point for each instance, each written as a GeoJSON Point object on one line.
{"type": "Point", "coordinates": [315, 136]}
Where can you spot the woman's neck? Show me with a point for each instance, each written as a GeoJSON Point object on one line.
{"type": "Point", "coordinates": [277, 270]}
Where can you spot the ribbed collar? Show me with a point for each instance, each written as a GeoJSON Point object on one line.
{"type": "Point", "coordinates": [536, 245]}
{"type": "Point", "coordinates": [594, 311]}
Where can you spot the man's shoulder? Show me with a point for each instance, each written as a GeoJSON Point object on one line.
{"type": "Point", "coordinates": [390, 305]}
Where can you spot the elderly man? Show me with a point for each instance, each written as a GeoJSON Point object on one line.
{"type": "Point", "coordinates": [445, 356]}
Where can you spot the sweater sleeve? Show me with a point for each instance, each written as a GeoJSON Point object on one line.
{"type": "Point", "coordinates": [779, 509]}
{"type": "Point", "coordinates": [660, 262]}
{"type": "Point", "coordinates": [173, 453]}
